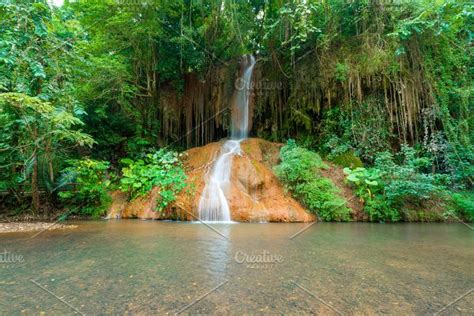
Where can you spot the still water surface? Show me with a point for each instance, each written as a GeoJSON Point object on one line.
{"type": "Point", "coordinates": [151, 267]}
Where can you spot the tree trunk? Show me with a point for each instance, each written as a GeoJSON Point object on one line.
{"type": "Point", "coordinates": [50, 162]}
{"type": "Point", "coordinates": [34, 186]}
{"type": "Point", "coordinates": [35, 197]}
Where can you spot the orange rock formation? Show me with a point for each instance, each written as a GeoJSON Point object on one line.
{"type": "Point", "coordinates": [255, 194]}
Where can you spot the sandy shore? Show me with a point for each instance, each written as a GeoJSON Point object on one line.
{"type": "Point", "coordinates": [30, 227]}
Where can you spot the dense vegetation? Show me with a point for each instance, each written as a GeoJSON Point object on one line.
{"type": "Point", "coordinates": [299, 170]}
{"type": "Point", "coordinates": [103, 89]}
{"type": "Point", "coordinates": [393, 189]}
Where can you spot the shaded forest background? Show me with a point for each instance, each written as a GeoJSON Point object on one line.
{"type": "Point", "coordinates": [108, 79]}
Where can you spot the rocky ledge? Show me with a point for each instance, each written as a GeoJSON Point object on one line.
{"type": "Point", "coordinates": [255, 194]}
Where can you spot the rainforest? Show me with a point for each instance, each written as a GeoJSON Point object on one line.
{"type": "Point", "coordinates": [100, 96]}
{"type": "Point", "coordinates": [182, 136]}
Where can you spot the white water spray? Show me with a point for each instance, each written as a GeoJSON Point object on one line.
{"type": "Point", "coordinates": [213, 205]}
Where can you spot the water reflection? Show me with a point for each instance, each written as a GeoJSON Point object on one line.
{"type": "Point", "coordinates": [150, 267]}
{"type": "Point", "coordinates": [215, 248]}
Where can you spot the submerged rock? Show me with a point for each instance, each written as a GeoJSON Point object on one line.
{"type": "Point", "coordinates": [254, 194]}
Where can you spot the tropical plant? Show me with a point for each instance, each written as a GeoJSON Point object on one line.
{"type": "Point", "coordinates": [162, 169]}
{"type": "Point", "coordinates": [390, 187]}
{"type": "Point", "coordinates": [370, 187]}
{"type": "Point", "coordinates": [86, 184]}
{"type": "Point", "coordinates": [33, 134]}
{"type": "Point", "coordinates": [349, 79]}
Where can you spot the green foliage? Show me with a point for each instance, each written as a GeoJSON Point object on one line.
{"type": "Point", "coordinates": [463, 204]}
{"type": "Point", "coordinates": [137, 52]}
{"type": "Point", "coordinates": [367, 181]}
{"type": "Point", "coordinates": [336, 146]}
{"type": "Point", "coordinates": [392, 74]}
{"type": "Point", "coordinates": [370, 187]}
{"type": "Point", "coordinates": [40, 118]}
{"type": "Point", "coordinates": [347, 159]}
{"type": "Point", "coordinates": [406, 182]}
{"type": "Point", "coordinates": [299, 170]}
{"type": "Point", "coordinates": [33, 134]}
{"type": "Point", "coordinates": [391, 186]}
{"type": "Point", "coordinates": [459, 164]}
{"type": "Point", "coordinates": [360, 128]}
{"type": "Point", "coordinates": [87, 182]}
{"type": "Point", "coordinates": [369, 128]}
{"type": "Point", "coordinates": [380, 210]}
{"type": "Point", "coordinates": [341, 72]}
{"type": "Point", "coordinates": [300, 164]}
{"type": "Point", "coordinates": [335, 133]}
{"type": "Point", "coordinates": [321, 197]}
{"type": "Point", "coordinates": [304, 19]}
{"type": "Point", "coordinates": [425, 215]}
{"type": "Point", "coordinates": [161, 169]}
{"type": "Point", "coordinates": [352, 78]}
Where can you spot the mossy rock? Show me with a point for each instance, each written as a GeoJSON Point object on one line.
{"type": "Point", "coordinates": [348, 159]}
{"type": "Point", "coordinates": [422, 216]}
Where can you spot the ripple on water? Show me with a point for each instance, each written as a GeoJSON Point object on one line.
{"type": "Point", "coordinates": [146, 267]}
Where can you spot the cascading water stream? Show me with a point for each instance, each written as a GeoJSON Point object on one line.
{"type": "Point", "coordinates": [213, 205]}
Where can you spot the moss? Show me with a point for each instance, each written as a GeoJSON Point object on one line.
{"type": "Point", "coordinates": [348, 159]}
{"type": "Point", "coordinates": [256, 166]}
{"type": "Point", "coordinates": [422, 215]}
{"type": "Point", "coordinates": [246, 148]}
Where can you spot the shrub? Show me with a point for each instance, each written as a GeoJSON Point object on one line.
{"type": "Point", "coordinates": [298, 164]}
{"type": "Point", "coordinates": [405, 182]}
{"type": "Point", "coordinates": [367, 181]}
{"type": "Point", "coordinates": [369, 128]}
{"type": "Point", "coordinates": [347, 159]}
{"type": "Point", "coordinates": [320, 196]}
{"type": "Point", "coordinates": [358, 126]}
{"type": "Point", "coordinates": [299, 171]}
{"type": "Point", "coordinates": [392, 186]}
{"type": "Point", "coordinates": [162, 168]}
{"type": "Point", "coordinates": [336, 146]}
{"type": "Point", "coordinates": [369, 186]}
{"type": "Point", "coordinates": [380, 210]}
{"type": "Point", "coordinates": [460, 165]}
{"type": "Point", "coordinates": [92, 183]}
{"type": "Point", "coordinates": [423, 216]}
{"type": "Point", "coordinates": [463, 204]}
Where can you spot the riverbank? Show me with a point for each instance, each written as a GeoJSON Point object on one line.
{"type": "Point", "coordinates": [24, 227]}
{"type": "Point", "coordinates": [12, 222]}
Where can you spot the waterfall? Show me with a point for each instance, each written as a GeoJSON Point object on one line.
{"type": "Point", "coordinates": [240, 107]}
{"type": "Point", "coordinates": [213, 205]}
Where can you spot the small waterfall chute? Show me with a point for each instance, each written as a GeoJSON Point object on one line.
{"type": "Point", "coordinates": [213, 205]}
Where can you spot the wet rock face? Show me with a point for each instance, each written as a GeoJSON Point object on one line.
{"type": "Point", "coordinates": [254, 193]}
{"type": "Point", "coordinates": [143, 207]}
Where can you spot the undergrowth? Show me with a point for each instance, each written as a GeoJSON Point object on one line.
{"type": "Point", "coordinates": [299, 171]}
